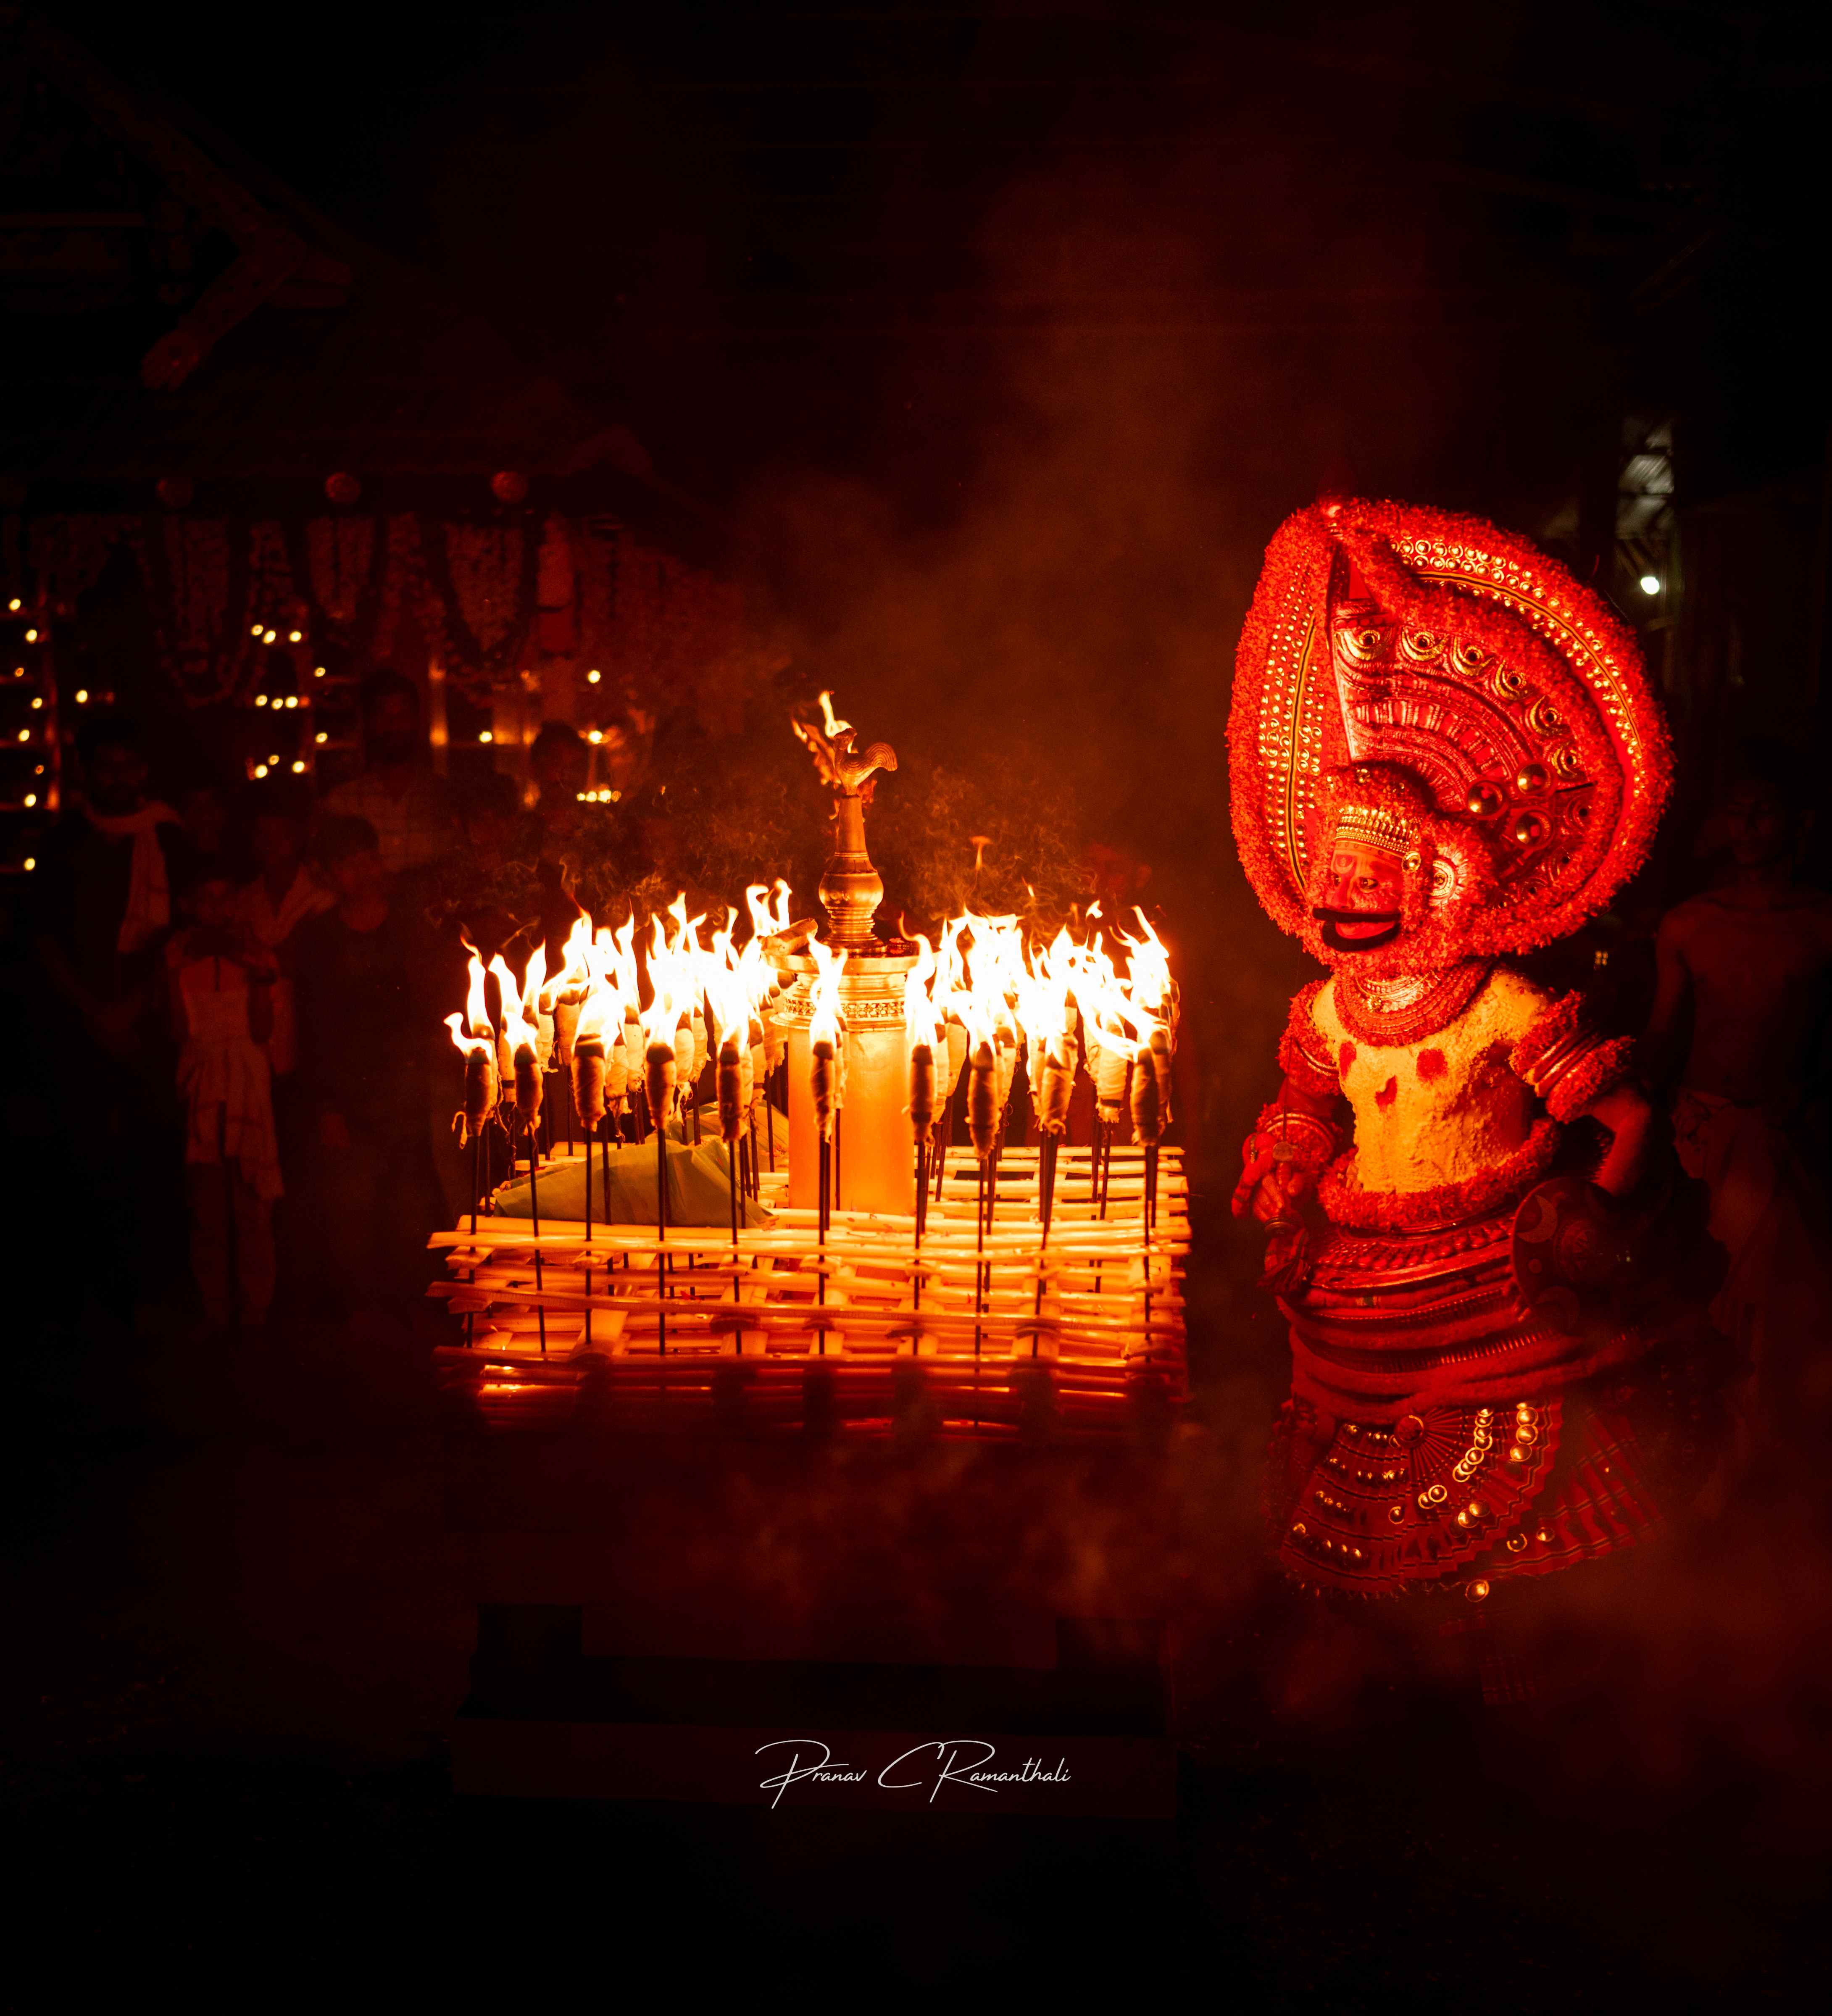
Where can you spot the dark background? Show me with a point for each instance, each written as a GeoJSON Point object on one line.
{"type": "Point", "coordinates": [989, 346]}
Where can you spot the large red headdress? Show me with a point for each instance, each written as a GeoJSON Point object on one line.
{"type": "Point", "coordinates": [1432, 672]}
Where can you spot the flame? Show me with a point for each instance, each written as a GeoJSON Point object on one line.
{"type": "Point", "coordinates": [1153, 991]}
{"type": "Point", "coordinates": [825, 1020]}
{"type": "Point", "coordinates": [993, 976]}
{"type": "Point", "coordinates": [726, 986]}
{"type": "Point", "coordinates": [832, 725]}
{"type": "Point", "coordinates": [521, 1011]}
{"type": "Point", "coordinates": [1044, 981]}
{"type": "Point", "coordinates": [465, 1044]}
{"type": "Point", "coordinates": [922, 1024]}
{"type": "Point", "coordinates": [471, 1030]}
{"type": "Point", "coordinates": [574, 976]}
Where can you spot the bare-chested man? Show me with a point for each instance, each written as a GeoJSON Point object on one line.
{"type": "Point", "coordinates": [1752, 959]}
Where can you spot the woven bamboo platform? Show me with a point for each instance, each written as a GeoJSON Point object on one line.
{"type": "Point", "coordinates": [862, 1332]}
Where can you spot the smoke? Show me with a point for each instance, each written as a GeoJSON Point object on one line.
{"type": "Point", "coordinates": [1182, 357]}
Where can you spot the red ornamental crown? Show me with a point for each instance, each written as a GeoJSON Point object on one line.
{"type": "Point", "coordinates": [1509, 694]}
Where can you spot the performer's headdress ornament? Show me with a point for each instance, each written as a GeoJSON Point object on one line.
{"type": "Point", "coordinates": [1378, 825]}
{"type": "Point", "coordinates": [1439, 688]}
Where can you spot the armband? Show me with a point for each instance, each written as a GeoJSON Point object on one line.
{"type": "Point", "coordinates": [1564, 1061]}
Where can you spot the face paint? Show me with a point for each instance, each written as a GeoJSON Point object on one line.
{"type": "Point", "coordinates": [1366, 886]}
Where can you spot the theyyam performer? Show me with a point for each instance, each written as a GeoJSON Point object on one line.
{"type": "Point", "coordinates": [1445, 752]}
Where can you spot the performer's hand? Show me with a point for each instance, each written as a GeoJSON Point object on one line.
{"type": "Point", "coordinates": [1277, 1193]}
{"type": "Point", "coordinates": [1248, 1190]}
{"type": "Point", "coordinates": [1287, 1266]}
{"type": "Point", "coordinates": [1629, 1118]}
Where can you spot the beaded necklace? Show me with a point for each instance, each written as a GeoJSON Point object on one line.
{"type": "Point", "coordinates": [1394, 1014]}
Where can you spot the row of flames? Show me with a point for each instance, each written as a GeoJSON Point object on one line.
{"type": "Point", "coordinates": [622, 1016]}
{"type": "Point", "coordinates": [705, 996]}
{"type": "Point", "coordinates": [989, 993]}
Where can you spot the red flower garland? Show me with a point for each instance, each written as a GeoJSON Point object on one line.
{"type": "Point", "coordinates": [1302, 1053]}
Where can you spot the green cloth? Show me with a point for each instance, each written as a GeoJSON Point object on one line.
{"type": "Point", "coordinates": [699, 1191]}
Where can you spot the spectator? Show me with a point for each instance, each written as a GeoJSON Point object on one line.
{"type": "Point", "coordinates": [286, 890]}
{"type": "Point", "coordinates": [1738, 1018]}
{"type": "Point", "coordinates": [626, 753]}
{"type": "Point", "coordinates": [408, 807]}
{"type": "Point", "coordinates": [104, 890]}
{"type": "Point", "coordinates": [489, 816]}
{"type": "Point", "coordinates": [101, 910]}
{"type": "Point", "coordinates": [203, 811]}
{"type": "Point", "coordinates": [486, 882]}
{"type": "Point", "coordinates": [560, 761]}
{"type": "Point", "coordinates": [365, 1031]}
{"type": "Point", "coordinates": [220, 980]}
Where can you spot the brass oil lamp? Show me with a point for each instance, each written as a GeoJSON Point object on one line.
{"type": "Point", "coordinates": [872, 1168]}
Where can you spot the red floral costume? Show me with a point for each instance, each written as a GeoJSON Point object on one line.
{"type": "Point", "coordinates": [1430, 686]}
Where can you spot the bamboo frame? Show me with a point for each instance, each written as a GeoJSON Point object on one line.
{"type": "Point", "coordinates": [1074, 1334]}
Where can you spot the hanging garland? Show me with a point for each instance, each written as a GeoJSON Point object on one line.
{"type": "Point", "coordinates": [482, 587]}
{"type": "Point", "coordinates": [274, 602]}
{"type": "Point", "coordinates": [556, 623]}
{"type": "Point", "coordinates": [485, 564]}
{"type": "Point", "coordinates": [196, 571]}
{"type": "Point", "coordinates": [404, 586]}
{"type": "Point", "coordinates": [341, 570]}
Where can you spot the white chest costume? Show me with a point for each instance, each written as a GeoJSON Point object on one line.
{"type": "Point", "coordinates": [1444, 1109]}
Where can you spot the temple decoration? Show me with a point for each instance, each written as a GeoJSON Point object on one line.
{"type": "Point", "coordinates": [1020, 1285]}
{"type": "Point", "coordinates": [1444, 749]}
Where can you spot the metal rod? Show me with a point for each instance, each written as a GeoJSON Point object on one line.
{"type": "Point", "coordinates": [922, 1194]}
{"type": "Point", "coordinates": [826, 1206]}
{"type": "Point", "coordinates": [1046, 1200]}
{"type": "Point", "coordinates": [731, 1188]}
{"type": "Point", "coordinates": [660, 1235]}
{"type": "Point", "coordinates": [535, 1212]}
{"type": "Point", "coordinates": [470, 1315]}
{"type": "Point", "coordinates": [1145, 1226]}
{"type": "Point", "coordinates": [979, 1285]}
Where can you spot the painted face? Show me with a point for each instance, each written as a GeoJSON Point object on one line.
{"type": "Point", "coordinates": [1364, 893]}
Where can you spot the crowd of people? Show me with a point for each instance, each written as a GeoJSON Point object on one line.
{"type": "Point", "coordinates": [260, 975]}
